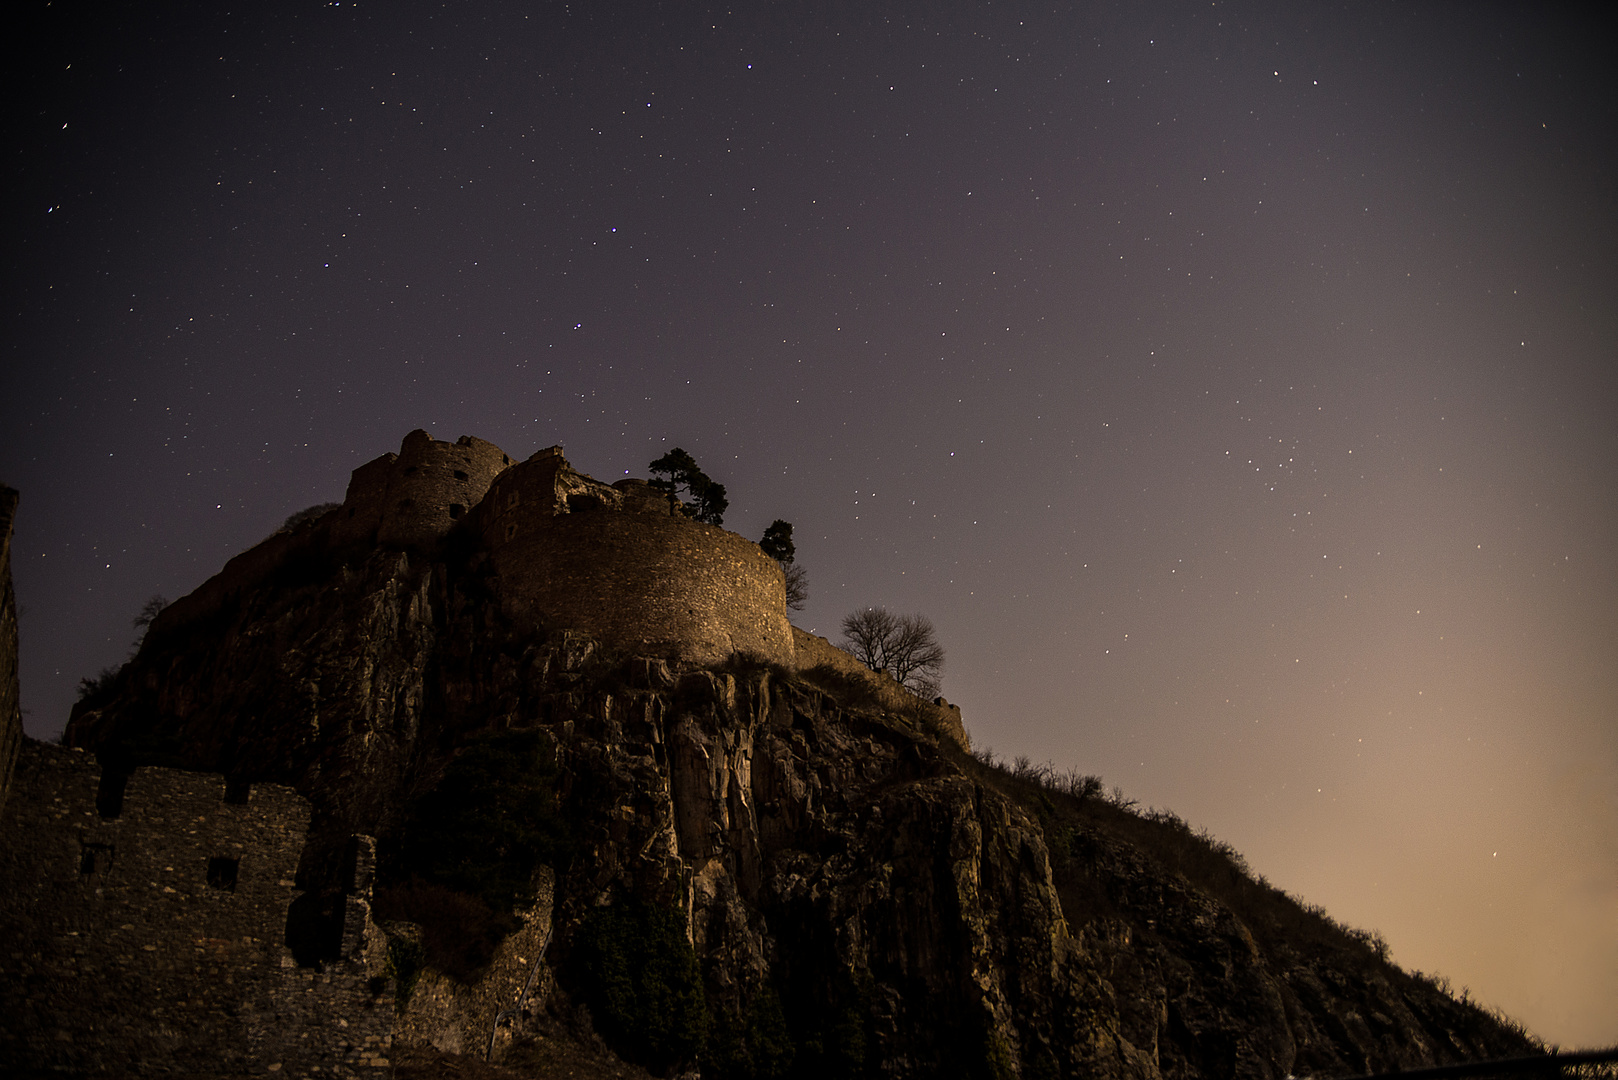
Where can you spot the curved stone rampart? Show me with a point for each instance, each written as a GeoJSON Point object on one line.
{"type": "Point", "coordinates": [623, 565]}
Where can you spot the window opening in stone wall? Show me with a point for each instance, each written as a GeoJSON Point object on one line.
{"type": "Point", "coordinates": [456, 510]}
{"type": "Point", "coordinates": [578, 504]}
{"type": "Point", "coordinates": [411, 471]}
{"type": "Point", "coordinates": [314, 928]}
{"type": "Point", "coordinates": [460, 474]}
{"type": "Point", "coordinates": [222, 870]}
{"type": "Point", "coordinates": [237, 791]}
{"type": "Point", "coordinates": [95, 859]}
{"type": "Point", "coordinates": [110, 793]}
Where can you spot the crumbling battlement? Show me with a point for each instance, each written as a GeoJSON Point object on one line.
{"type": "Point", "coordinates": [414, 497]}
{"type": "Point", "coordinates": [144, 922]}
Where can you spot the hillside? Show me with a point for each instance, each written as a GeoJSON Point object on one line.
{"type": "Point", "coordinates": [630, 851]}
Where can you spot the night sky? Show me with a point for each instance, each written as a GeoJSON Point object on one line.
{"type": "Point", "coordinates": [1234, 385]}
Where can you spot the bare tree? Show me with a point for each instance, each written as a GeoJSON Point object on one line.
{"type": "Point", "coordinates": [904, 646]}
{"type": "Point", "coordinates": [916, 659]}
{"type": "Point", "coordinates": [778, 545]}
{"type": "Point", "coordinates": [148, 611]}
{"type": "Point", "coordinates": [797, 586]}
{"type": "Point", "coordinates": [866, 634]}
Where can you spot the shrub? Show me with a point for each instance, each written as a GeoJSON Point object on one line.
{"type": "Point", "coordinates": [459, 932]}
{"type": "Point", "coordinates": [98, 689]}
{"type": "Point", "coordinates": [850, 690]}
{"type": "Point", "coordinates": [757, 1046]}
{"type": "Point", "coordinates": [639, 976]}
{"type": "Point", "coordinates": [472, 847]}
{"type": "Point", "coordinates": [308, 513]}
{"type": "Point", "coordinates": [829, 1021]}
{"type": "Point", "coordinates": [491, 822]}
{"type": "Point", "coordinates": [403, 966]}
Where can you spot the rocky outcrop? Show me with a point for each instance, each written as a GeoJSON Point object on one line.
{"type": "Point", "coordinates": [10, 702]}
{"type": "Point", "coordinates": [859, 866]}
{"type": "Point", "coordinates": [861, 896]}
{"type": "Point", "coordinates": [481, 1017]}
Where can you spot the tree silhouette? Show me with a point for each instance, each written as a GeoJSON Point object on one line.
{"type": "Point", "coordinates": [777, 544]}
{"type": "Point", "coordinates": [677, 471]}
{"type": "Point", "coordinates": [148, 612]}
{"type": "Point", "coordinates": [797, 586]}
{"type": "Point", "coordinates": [904, 646]}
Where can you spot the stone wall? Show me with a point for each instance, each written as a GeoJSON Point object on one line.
{"type": "Point", "coordinates": [144, 926]}
{"type": "Point", "coordinates": [414, 498]}
{"type": "Point", "coordinates": [242, 573]}
{"type": "Point", "coordinates": [483, 1016]}
{"type": "Point", "coordinates": [10, 703]}
{"type": "Point", "coordinates": [619, 563]}
{"type": "Point", "coordinates": [622, 565]}
{"type": "Point", "coordinates": [815, 651]}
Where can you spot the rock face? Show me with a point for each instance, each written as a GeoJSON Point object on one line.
{"type": "Point", "coordinates": [861, 896]}
{"type": "Point", "coordinates": [10, 703]}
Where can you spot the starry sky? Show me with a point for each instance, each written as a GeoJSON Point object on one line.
{"type": "Point", "coordinates": [1234, 385]}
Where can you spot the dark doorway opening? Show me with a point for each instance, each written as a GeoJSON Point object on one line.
{"type": "Point", "coordinates": [95, 859]}
{"type": "Point", "coordinates": [222, 871]}
{"type": "Point", "coordinates": [110, 792]}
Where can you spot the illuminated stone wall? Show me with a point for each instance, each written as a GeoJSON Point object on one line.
{"type": "Point", "coordinates": [145, 920]}
{"type": "Point", "coordinates": [625, 566]}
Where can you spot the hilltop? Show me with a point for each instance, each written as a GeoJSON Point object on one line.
{"type": "Point", "coordinates": [495, 760]}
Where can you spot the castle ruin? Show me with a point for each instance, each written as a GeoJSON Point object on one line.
{"type": "Point", "coordinates": [145, 921]}
{"type": "Point", "coordinates": [153, 918]}
{"type": "Point", "coordinates": [620, 563]}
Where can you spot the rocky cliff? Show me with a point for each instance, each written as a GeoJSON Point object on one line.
{"type": "Point", "coordinates": [10, 704]}
{"type": "Point", "coordinates": [751, 868]}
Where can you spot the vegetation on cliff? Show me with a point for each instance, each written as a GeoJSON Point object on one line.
{"type": "Point", "coordinates": [904, 647]}
{"type": "Point", "coordinates": [471, 848]}
{"type": "Point", "coordinates": [491, 822]}
{"type": "Point", "coordinates": [635, 969]}
{"type": "Point", "coordinates": [777, 543]}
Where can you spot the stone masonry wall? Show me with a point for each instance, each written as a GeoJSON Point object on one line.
{"type": "Point", "coordinates": [815, 651]}
{"type": "Point", "coordinates": [622, 565]}
{"type": "Point", "coordinates": [148, 938]}
{"type": "Point", "coordinates": [10, 703]}
{"type": "Point", "coordinates": [416, 497]}
{"type": "Point", "coordinates": [658, 586]}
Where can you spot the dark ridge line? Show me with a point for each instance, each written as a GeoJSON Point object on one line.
{"type": "Point", "coordinates": [1540, 1063]}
